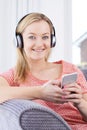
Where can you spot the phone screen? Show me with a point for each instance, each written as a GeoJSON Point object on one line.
{"type": "Point", "coordinates": [68, 78]}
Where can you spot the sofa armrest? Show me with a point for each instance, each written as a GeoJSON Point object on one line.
{"type": "Point", "coordinates": [18, 114]}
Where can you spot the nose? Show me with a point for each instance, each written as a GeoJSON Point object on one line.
{"type": "Point", "coordinates": [39, 41]}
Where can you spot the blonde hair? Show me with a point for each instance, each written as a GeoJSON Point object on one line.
{"type": "Point", "coordinates": [22, 65]}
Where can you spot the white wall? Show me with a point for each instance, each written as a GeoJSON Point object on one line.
{"type": "Point", "coordinates": [59, 11]}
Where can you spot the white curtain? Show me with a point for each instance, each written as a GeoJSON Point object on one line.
{"type": "Point", "coordinates": [59, 11]}
{"type": "Point", "coordinates": [10, 12]}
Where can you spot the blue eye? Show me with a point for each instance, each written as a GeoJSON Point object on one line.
{"type": "Point", "coordinates": [32, 37]}
{"type": "Point", "coordinates": [45, 37]}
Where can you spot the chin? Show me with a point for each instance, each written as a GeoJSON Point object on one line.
{"type": "Point", "coordinates": [37, 59]}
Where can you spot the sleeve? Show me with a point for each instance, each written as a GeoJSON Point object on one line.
{"type": "Point", "coordinates": [81, 80]}
{"type": "Point", "coordinates": [9, 76]}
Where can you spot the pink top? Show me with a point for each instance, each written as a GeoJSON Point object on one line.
{"type": "Point", "coordinates": [66, 110]}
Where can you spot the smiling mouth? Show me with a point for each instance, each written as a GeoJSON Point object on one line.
{"type": "Point", "coordinates": [39, 50]}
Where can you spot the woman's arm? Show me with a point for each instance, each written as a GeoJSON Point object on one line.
{"type": "Point", "coordinates": [77, 97]}
{"type": "Point", "coordinates": [48, 92]}
{"type": "Point", "coordinates": [82, 107]}
{"type": "Point", "coordinates": [10, 92]}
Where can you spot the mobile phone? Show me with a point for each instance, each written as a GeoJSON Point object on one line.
{"type": "Point", "coordinates": [68, 78]}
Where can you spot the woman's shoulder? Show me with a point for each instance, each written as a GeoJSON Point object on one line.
{"type": "Point", "coordinates": [66, 63]}
{"type": "Point", "coordinates": [9, 72]}
{"type": "Point", "coordinates": [9, 76]}
{"type": "Point", "coordinates": [67, 66]}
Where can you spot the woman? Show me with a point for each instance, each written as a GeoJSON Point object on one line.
{"type": "Point", "coordinates": [36, 79]}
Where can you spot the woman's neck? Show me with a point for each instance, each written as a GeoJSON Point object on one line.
{"type": "Point", "coordinates": [36, 66]}
{"type": "Point", "coordinates": [45, 70]}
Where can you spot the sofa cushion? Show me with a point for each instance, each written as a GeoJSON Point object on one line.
{"type": "Point", "coordinates": [28, 115]}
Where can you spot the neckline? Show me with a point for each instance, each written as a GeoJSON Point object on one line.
{"type": "Point", "coordinates": [44, 80]}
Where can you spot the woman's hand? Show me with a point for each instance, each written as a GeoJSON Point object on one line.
{"type": "Point", "coordinates": [74, 93]}
{"type": "Point", "coordinates": [52, 92]}
{"type": "Point", "coordinates": [76, 96]}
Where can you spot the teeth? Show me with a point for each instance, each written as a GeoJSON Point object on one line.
{"type": "Point", "coordinates": [38, 50]}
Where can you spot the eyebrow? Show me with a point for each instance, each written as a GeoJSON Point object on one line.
{"type": "Point", "coordinates": [36, 34]}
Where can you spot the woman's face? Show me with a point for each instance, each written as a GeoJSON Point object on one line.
{"type": "Point", "coordinates": [37, 38]}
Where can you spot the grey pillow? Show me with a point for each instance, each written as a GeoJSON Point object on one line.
{"type": "Point", "coordinates": [18, 114]}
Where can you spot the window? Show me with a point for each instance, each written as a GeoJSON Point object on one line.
{"type": "Point", "coordinates": [79, 32]}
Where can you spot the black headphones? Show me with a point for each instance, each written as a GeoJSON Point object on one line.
{"type": "Point", "coordinates": [19, 38]}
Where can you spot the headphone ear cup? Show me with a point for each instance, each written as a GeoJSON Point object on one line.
{"type": "Point", "coordinates": [53, 40]}
{"type": "Point", "coordinates": [19, 40]}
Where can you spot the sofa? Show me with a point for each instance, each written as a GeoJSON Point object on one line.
{"type": "Point", "coordinates": [84, 70]}
{"type": "Point", "coordinates": [20, 114]}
